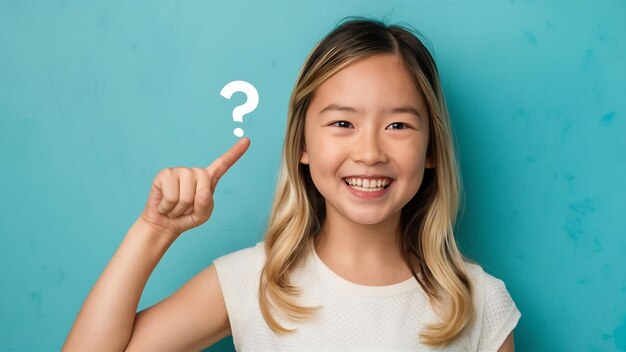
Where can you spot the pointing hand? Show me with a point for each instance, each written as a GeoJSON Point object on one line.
{"type": "Point", "coordinates": [182, 198]}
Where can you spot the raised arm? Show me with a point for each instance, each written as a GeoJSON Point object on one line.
{"type": "Point", "coordinates": [180, 199]}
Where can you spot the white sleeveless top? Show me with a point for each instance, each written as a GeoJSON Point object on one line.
{"type": "Point", "coordinates": [355, 317]}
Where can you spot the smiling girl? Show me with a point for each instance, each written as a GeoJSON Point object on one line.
{"type": "Point", "coordinates": [359, 253]}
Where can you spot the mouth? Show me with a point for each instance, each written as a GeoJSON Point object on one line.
{"type": "Point", "coordinates": [369, 184]}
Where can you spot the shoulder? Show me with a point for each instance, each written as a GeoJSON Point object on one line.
{"type": "Point", "coordinates": [488, 284]}
{"type": "Point", "coordinates": [248, 260]}
{"type": "Point", "coordinates": [238, 275]}
{"type": "Point", "coordinates": [240, 269]}
{"type": "Point", "coordinates": [497, 314]}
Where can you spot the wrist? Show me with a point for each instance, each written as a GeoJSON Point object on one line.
{"type": "Point", "coordinates": [154, 235]}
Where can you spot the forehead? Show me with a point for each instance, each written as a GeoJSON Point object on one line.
{"type": "Point", "coordinates": [373, 83]}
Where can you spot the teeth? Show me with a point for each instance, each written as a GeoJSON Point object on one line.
{"type": "Point", "coordinates": [366, 184]}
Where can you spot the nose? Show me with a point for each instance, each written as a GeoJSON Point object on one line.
{"type": "Point", "coordinates": [368, 148]}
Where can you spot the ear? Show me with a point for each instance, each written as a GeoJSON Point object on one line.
{"type": "Point", "coordinates": [304, 156]}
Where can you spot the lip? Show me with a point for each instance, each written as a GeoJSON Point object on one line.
{"type": "Point", "coordinates": [368, 195]}
{"type": "Point", "coordinates": [369, 177]}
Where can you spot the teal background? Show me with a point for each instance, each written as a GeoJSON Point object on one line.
{"type": "Point", "coordinates": [97, 97]}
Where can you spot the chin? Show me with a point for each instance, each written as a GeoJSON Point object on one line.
{"type": "Point", "coordinates": [367, 219]}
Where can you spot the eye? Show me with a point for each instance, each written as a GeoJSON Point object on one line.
{"type": "Point", "coordinates": [398, 125]}
{"type": "Point", "coordinates": [342, 124]}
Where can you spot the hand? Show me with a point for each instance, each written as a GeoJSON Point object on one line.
{"type": "Point", "coordinates": [182, 198]}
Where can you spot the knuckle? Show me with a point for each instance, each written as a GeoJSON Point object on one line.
{"type": "Point", "coordinates": [170, 199]}
{"type": "Point", "coordinates": [183, 171]}
{"type": "Point", "coordinates": [200, 173]}
{"type": "Point", "coordinates": [205, 193]}
{"type": "Point", "coordinates": [165, 173]}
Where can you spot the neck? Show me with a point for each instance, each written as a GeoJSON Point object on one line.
{"type": "Point", "coordinates": [363, 254]}
{"type": "Point", "coordinates": [350, 244]}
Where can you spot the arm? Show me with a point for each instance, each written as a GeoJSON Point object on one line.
{"type": "Point", "coordinates": [191, 319]}
{"type": "Point", "coordinates": [106, 319]}
{"type": "Point", "coordinates": [194, 316]}
{"type": "Point", "coordinates": [508, 345]}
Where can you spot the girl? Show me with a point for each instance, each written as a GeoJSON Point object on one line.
{"type": "Point", "coordinates": [359, 253]}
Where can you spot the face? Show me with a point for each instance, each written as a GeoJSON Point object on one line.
{"type": "Point", "coordinates": [366, 136]}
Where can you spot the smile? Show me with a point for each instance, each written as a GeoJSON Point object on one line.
{"type": "Point", "coordinates": [368, 188]}
{"type": "Point", "coordinates": [367, 185]}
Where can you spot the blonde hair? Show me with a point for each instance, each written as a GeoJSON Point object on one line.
{"type": "Point", "coordinates": [428, 244]}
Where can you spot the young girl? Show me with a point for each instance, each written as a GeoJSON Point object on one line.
{"type": "Point", "coordinates": [359, 253]}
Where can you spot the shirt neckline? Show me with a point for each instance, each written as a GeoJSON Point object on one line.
{"type": "Point", "coordinates": [355, 289]}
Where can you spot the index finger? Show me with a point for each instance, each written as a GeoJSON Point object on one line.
{"type": "Point", "coordinates": [219, 167]}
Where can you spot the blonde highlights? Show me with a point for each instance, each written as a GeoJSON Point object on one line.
{"type": "Point", "coordinates": [428, 244]}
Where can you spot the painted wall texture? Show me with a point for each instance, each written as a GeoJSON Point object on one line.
{"type": "Point", "coordinates": [97, 97]}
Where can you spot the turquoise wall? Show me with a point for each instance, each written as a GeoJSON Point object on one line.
{"type": "Point", "coordinates": [97, 97]}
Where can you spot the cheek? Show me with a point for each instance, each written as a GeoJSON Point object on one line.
{"type": "Point", "coordinates": [324, 150]}
{"type": "Point", "coordinates": [412, 165]}
{"type": "Point", "coordinates": [324, 161]}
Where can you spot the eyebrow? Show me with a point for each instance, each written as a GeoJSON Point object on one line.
{"type": "Point", "coordinates": [396, 110]}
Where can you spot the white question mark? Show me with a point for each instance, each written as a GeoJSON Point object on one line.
{"type": "Point", "coordinates": [250, 104]}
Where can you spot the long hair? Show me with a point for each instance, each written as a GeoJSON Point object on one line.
{"type": "Point", "coordinates": [428, 245]}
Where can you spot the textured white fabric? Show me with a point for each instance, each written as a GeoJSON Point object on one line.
{"type": "Point", "coordinates": [355, 317]}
